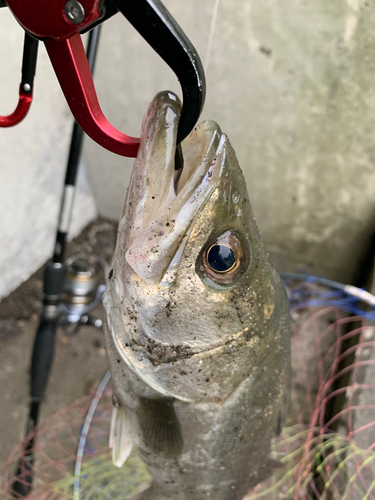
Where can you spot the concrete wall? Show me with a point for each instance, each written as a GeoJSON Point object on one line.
{"type": "Point", "coordinates": [32, 165]}
{"type": "Point", "coordinates": [292, 84]}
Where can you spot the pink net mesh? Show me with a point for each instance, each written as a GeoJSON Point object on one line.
{"type": "Point", "coordinates": [325, 452]}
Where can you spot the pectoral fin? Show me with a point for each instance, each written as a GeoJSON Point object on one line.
{"type": "Point", "coordinates": [120, 438]}
{"type": "Point", "coordinates": [161, 430]}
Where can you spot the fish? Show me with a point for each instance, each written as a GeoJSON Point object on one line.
{"type": "Point", "coordinates": [197, 320]}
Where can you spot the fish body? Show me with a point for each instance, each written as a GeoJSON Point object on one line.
{"type": "Point", "coordinates": [197, 328]}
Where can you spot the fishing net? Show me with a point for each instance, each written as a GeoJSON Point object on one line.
{"type": "Point", "coordinates": [330, 452]}
{"type": "Point", "coordinates": [58, 438]}
{"type": "Point", "coordinates": [326, 450]}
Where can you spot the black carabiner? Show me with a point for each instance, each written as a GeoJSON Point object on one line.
{"type": "Point", "coordinates": [30, 53]}
{"type": "Point", "coordinates": [157, 26]}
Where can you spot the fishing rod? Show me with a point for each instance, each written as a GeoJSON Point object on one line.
{"type": "Point", "coordinates": [54, 280]}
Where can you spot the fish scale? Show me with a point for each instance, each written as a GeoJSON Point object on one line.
{"type": "Point", "coordinates": [200, 357]}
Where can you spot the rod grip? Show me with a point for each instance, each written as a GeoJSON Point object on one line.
{"type": "Point", "coordinates": [22, 484]}
{"type": "Point", "coordinates": [41, 361]}
{"type": "Point", "coordinates": [54, 276]}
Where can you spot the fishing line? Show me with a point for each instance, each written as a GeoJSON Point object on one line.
{"type": "Point", "coordinates": [85, 431]}
{"type": "Point", "coordinates": [345, 297]}
{"type": "Point", "coordinates": [212, 34]}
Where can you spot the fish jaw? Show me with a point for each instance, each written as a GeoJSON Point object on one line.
{"type": "Point", "coordinates": [151, 180]}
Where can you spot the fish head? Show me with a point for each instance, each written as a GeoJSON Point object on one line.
{"type": "Point", "coordinates": [190, 273]}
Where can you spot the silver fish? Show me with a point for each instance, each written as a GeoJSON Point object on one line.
{"type": "Point", "coordinates": [197, 329]}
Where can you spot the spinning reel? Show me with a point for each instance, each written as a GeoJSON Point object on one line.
{"type": "Point", "coordinates": [83, 290]}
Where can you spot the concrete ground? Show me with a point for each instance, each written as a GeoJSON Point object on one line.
{"type": "Point", "coordinates": [80, 360]}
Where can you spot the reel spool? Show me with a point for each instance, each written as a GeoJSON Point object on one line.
{"type": "Point", "coordinates": [83, 290]}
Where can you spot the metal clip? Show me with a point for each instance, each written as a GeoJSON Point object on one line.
{"type": "Point", "coordinates": [61, 28]}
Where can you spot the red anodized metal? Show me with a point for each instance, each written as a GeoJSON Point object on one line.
{"type": "Point", "coordinates": [46, 19]}
{"type": "Point", "coordinates": [70, 63]}
{"type": "Point", "coordinates": [23, 106]}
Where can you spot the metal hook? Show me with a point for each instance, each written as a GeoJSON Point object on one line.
{"type": "Point", "coordinates": [30, 52]}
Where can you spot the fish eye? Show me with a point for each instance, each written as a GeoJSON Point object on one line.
{"type": "Point", "coordinates": [221, 258]}
{"type": "Point", "coordinates": [226, 258]}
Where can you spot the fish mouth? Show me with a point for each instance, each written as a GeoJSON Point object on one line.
{"type": "Point", "coordinates": [168, 200]}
